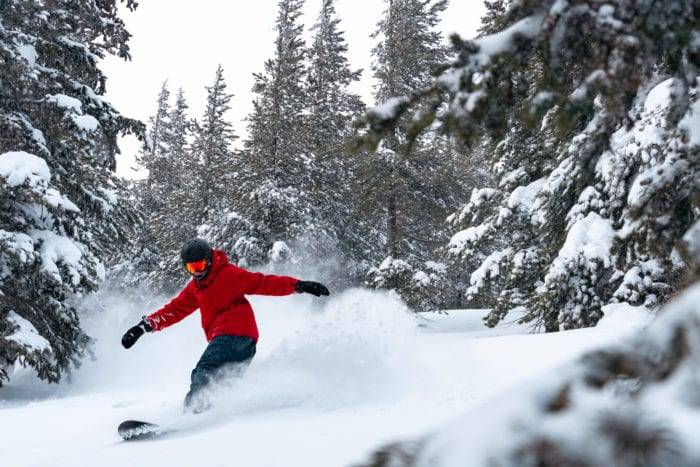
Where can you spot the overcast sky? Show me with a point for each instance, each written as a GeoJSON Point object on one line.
{"type": "Point", "coordinates": [183, 41]}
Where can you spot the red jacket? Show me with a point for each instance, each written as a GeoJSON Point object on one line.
{"type": "Point", "coordinates": [220, 297]}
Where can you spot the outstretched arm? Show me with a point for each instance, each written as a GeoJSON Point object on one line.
{"type": "Point", "coordinates": [179, 307]}
{"type": "Point", "coordinates": [257, 283]}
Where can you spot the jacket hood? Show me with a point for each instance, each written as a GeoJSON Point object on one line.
{"type": "Point", "coordinates": [219, 259]}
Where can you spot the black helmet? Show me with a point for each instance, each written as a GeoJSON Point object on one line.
{"type": "Point", "coordinates": [196, 249]}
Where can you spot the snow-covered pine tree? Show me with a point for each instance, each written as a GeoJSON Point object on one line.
{"type": "Point", "coordinates": [270, 207]}
{"type": "Point", "coordinates": [212, 147]}
{"type": "Point", "coordinates": [406, 181]}
{"type": "Point", "coordinates": [592, 111]}
{"type": "Point", "coordinates": [332, 105]}
{"type": "Point", "coordinates": [152, 198]}
{"type": "Point", "coordinates": [332, 108]}
{"type": "Point", "coordinates": [190, 184]}
{"type": "Point", "coordinates": [169, 197]}
{"type": "Point", "coordinates": [154, 155]}
{"type": "Point", "coordinates": [61, 216]}
{"type": "Point", "coordinates": [175, 222]}
{"type": "Point", "coordinates": [467, 169]}
{"type": "Point", "coordinates": [492, 20]}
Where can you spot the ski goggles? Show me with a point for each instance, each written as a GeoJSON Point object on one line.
{"type": "Point", "coordinates": [196, 267]}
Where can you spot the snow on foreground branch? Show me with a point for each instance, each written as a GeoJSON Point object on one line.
{"type": "Point", "coordinates": [629, 404]}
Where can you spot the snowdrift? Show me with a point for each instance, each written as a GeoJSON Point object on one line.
{"type": "Point", "coordinates": [630, 403]}
{"type": "Point", "coordinates": [331, 380]}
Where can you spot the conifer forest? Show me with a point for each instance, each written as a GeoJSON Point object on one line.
{"type": "Point", "coordinates": [506, 218]}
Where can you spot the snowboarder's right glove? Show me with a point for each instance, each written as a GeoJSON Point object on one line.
{"type": "Point", "coordinates": [314, 288]}
{"type": "Point", "coordinates": [133, 334]}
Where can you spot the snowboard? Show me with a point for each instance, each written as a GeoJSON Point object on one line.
{"type": "Point", "coordinates": [132, 430]}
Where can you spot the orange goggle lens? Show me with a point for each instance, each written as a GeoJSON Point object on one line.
{"type": "Point", "coordinates": [196, 267]}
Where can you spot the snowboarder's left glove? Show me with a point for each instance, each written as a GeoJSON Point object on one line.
{"type": "Point", "coordinates": [314, 288]}
{"type": "Point", "coordinates": [133, 334]}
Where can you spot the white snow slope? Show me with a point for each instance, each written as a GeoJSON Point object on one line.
{"type": "Point", "coordinates": [329, 384]}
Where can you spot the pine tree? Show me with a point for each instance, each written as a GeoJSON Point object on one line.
{"type": "Point", "coordinates": [593, 112]}
{"type": "Point", "coordinates": [178, 225]}
{"type": "Point", "coordinates": [62, 219]}
{"type": "Point", "coordinates": [153, 191]}
{"type": "Point", "coordinates": [590, 109]}
{"type": "Point", "coordinates": [269, 206]}
{"type": "Point", "coordinates": [411, 188]}
{"type": "Point", "coordinates": [173, 223]}
{"type": "Point", "coordinates": [332, 108]}
{"type": "Point", "coordinates": [213, 138]}
{"type": "Point", "coordinates": [492, 19]}
{"type": "Point", "coordinates": [179, 130]}
{"type": "Point", "coordinates": [275, 125]}
{"type": "Point", "coordinates": [148, 266]}
{"type": "Point", "coordinates": [154, 155]}
{"type": "Point", "coordinates": [410, 46]}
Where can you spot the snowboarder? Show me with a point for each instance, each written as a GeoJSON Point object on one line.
{"type": "Point", "coordinates": [218, 289]}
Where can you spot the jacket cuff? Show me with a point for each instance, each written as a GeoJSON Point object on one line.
{"type": "Point", "coordinates": [148, 325]}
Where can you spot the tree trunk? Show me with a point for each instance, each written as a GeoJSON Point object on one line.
{"type": "Point", "coordinates": [392, 225]}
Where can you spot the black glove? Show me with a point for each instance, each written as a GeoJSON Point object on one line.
{"type": "Point", "coordinates": [314, 288]}
{"type": "Point", "coordinates": [133, 334]}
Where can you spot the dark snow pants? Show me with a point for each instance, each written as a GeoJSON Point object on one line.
{"type": "Point", "coordinates": [223, 351]}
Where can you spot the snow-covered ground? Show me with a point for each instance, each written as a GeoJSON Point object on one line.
{"type": "Point", "coordinates": [329, 384]}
